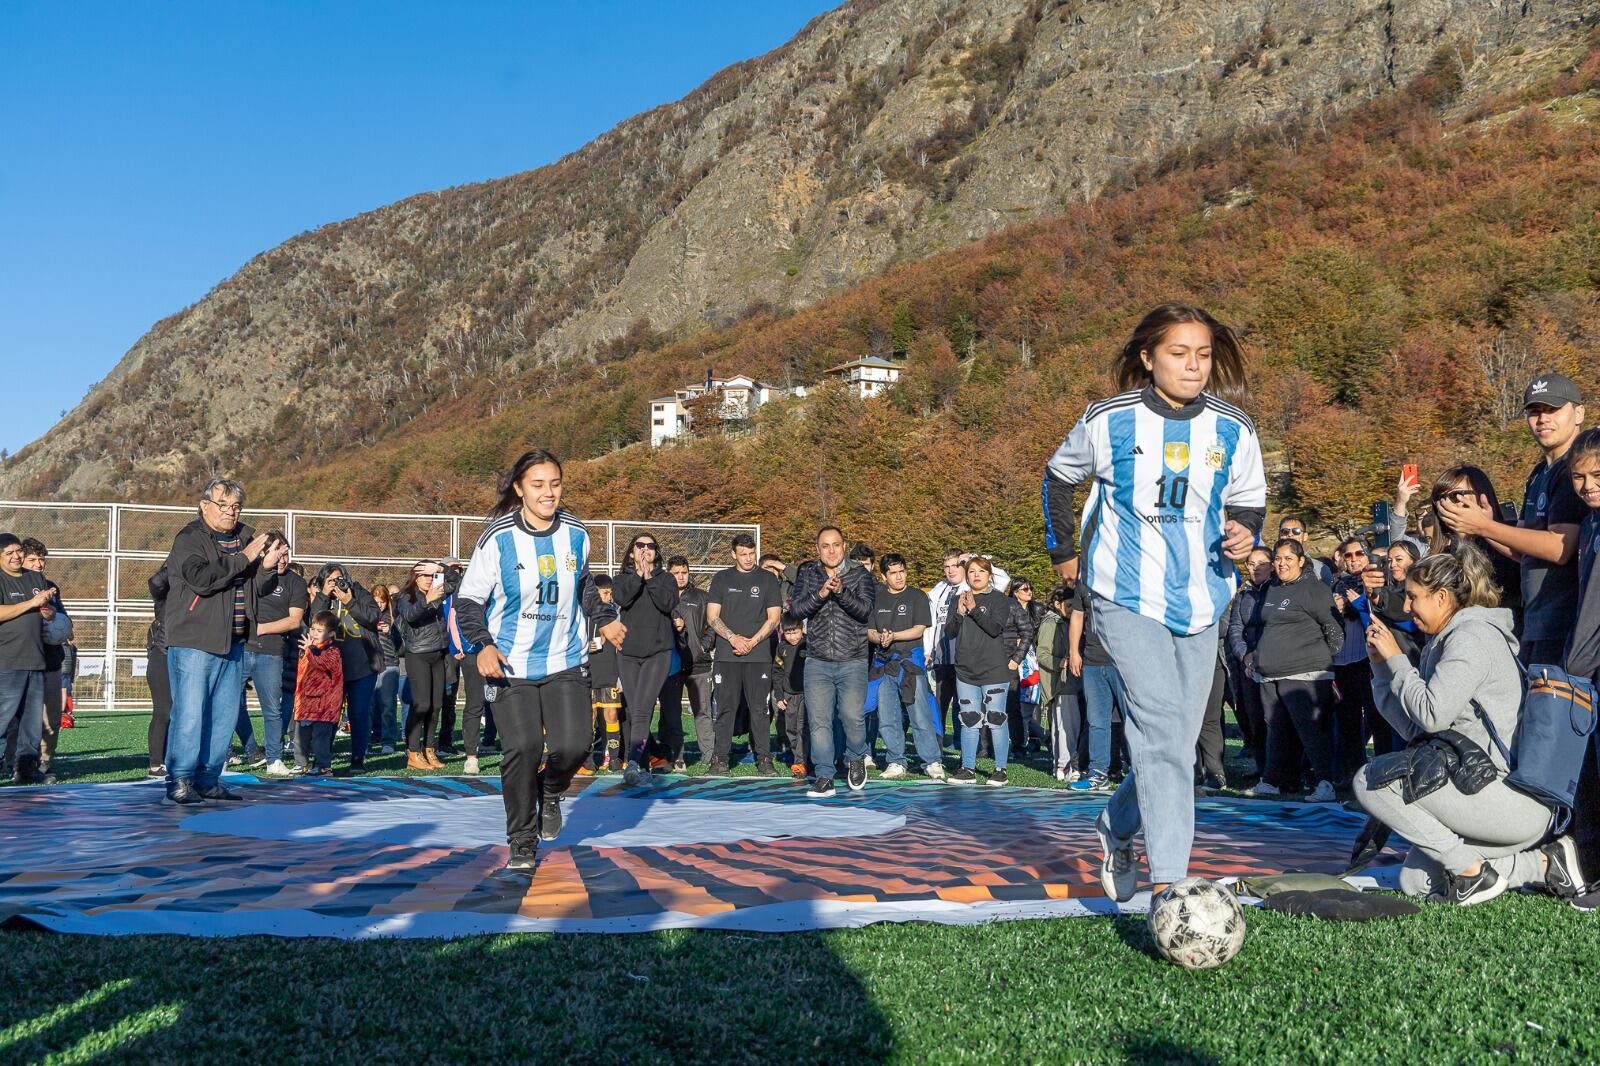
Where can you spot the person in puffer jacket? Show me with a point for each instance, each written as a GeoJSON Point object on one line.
{"type": "Point", "coordinates": [835, 600]}
{"type": "Point", "coordinates": [1465, 849]}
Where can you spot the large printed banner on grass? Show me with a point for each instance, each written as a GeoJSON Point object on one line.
{"type": "Point", "coordinates": [421, 857]}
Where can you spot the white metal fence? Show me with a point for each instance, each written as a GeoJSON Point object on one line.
{"type": "Point", "coordinates": [102, 555]}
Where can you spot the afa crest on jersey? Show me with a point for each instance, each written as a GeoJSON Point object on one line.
{"type": "Point", "coordinates": [572, 563]}
{"type": "Point", "coordinates": [1216, 456]}
{"type": "Point", "coordinates": [1176, 456]}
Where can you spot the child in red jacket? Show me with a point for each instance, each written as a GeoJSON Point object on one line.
{"type": "Point", "coordinates": [318, 695]}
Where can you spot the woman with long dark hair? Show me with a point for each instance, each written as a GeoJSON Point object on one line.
{"type": "Point", "coordinates": [421, 617]}
{"type": "Point", "coordinates": [527, 598]}
{"type": "Point", "coordinates": [646, 595]}
{"type": "Point", "coordinates": [1176, 493]}
{"type": "Point", "coordinates": [1469, 483]}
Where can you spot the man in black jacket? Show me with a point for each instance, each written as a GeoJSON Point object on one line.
{"type": "Point", "coordinates": [694, 644]}
{"type": "Point", "coordinates": [216, 568]}
{"type": "Point", "coordinates": [836, 600]}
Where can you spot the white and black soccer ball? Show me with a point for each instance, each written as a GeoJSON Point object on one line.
{"type": "Point", "coordinates": [1197, 924]}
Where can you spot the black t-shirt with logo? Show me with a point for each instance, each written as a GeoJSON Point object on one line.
{"type": "Point", "coordinates": [273, 606]}
{"type": "Point", "coordinates": [1094, 653]}
{"type": "Point", "coordinates": [896, 611]}
{"type": "Point", "coordinates": [22, 637]}
{"type": "Point", "coordinates": [743, 598]}
{"type": "Point", "coordinates": [1549, 591]}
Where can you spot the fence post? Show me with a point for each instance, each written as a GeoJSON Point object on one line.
{"type": "Point", "coordinates": [109, 664]}
{"type": "Point", "coordinates": [455, 537]}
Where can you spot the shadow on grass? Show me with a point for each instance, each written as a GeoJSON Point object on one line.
{"type": "Point", "coordinates": [666, 997]}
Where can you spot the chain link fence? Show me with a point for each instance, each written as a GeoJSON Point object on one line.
{"type": "Point", "coordinates": [102, 555]}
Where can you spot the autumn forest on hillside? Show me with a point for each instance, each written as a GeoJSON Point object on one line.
{"type": "Point", "coordinates": [1397, 278]}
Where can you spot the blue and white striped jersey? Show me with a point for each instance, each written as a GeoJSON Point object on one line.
{"type": "Point", "coordinates": [1164, 483]}
{"type": "Point", "coordinates": [531, 593]}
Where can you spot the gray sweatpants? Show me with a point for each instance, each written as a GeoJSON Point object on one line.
{"type": "Point", "coordinates": [1163, 681]}
{"type": "Point", "coordinates": [1450, 831]}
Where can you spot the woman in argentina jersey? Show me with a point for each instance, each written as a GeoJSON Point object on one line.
{"type": "Point", "coordinates": [1176, 492]}
{"type": "Point", "coordinates": [527, 598]}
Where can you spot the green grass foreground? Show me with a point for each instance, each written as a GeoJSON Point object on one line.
{"type": "Point", "coordinates": [1517, 978]}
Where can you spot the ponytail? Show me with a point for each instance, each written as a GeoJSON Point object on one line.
{"type": "Point", "coordinates": [1463, 571]}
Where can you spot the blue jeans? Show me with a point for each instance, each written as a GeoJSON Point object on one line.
{"type": "Point", "coordinates": [358, 703]}
{"type": "Point", "coordinates": [22, 702]}
{"type": "Point", "coordinates": [836, 690]}
{"type": "Point", "coordinates": [1163, 682]}
{"type": "Point", "coordinates": [384, 697]}
{"type": "Point", "coordinates": [206, 690]}
{"type": "Point", "coordinates": [980, 707]}
{"type": "Point", "coordinates": [265, 671]}
{"type": "Point", "coordinates": [1098, 684]}
{"type": "Point", "coordinates": [892, 714]}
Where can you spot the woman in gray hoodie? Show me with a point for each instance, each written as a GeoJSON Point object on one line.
{"type": "Point", "coordinates": [1465, 849]}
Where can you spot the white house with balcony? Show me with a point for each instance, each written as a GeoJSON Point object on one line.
{"type": "Point", "coordinates": [741, 395]}
{"type": "Point", "coordinates": [868, 377]}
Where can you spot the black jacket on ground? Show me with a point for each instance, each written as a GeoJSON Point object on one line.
{"type": "Point", "coordinates": [1300, 630]}
{"type": "Point", "coordinates": [646, 608]}
{"type": "Point", "coordinates": [199, 609]}
{"type": "Point", "coordinates": [836, 629]}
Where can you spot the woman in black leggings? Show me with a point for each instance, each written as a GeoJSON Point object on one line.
{"type": "Point", "coordinates": [527, 599]}
{"type": "Point", "coordinates": [647, 595]}
{"type": "Point", "coordinates": [417, 610]}
{"type": "Point", "coordinates": [156, 675]}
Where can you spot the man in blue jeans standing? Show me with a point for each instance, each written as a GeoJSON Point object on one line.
{"type": "Point", "coordinates": [217, 567]}
{"type": "Point", "coordinates": [280, 606]}
{"type": "Point", "coordinates": [836, 602]}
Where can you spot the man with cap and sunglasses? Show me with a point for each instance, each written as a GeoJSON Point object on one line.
{"type": "Point", "coordinates": [1545, 538]}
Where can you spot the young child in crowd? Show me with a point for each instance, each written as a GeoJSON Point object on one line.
{"type": "Point", "coordinates": [788, 691]}
{"type": "Point", "coordinates": [318, 695]}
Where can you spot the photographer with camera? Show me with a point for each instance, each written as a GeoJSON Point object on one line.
{"type": "Point", "coordinates": [357, 615]}
{"type": "Point", "coordinates": [419, 612]}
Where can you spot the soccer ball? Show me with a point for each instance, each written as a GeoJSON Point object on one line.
{"type": "Point", "coordinates": [1197, 924]}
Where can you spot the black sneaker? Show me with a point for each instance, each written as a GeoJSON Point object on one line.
{"type": "Point", "coordinates": [1561, 868]}
{"type": "Point", "coordinates": [550, 818]}
{"type": "Point", "coordinates": [1481, 887]}
{"type": "Point", "coordinates": [856, 775]}
{"type": "Point", "coordinates": [357, 765]}
{"type": "Point", "coordinates": [680, 767]}
{"type": "Point", "coordinates": [183, 795]}
{"type": "Point", "coordinates": [765, 768]}
{"type": "Point", "coordinates": [821, 789]}
{"type": "Point", "coordinates": [996, 779]}
{"type": "Point", "coordinates": [524, 856]}
{"type": "Point", "coordinates": [28, 772]}
{"type": "Point", "coordinates": [220, 792]}
{"type": "Point", "coordinates": [1586, 902]}
{"type": "Point", "coordinates": [964, 776]}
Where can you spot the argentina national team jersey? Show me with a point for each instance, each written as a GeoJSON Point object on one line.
{"type": "Point", "coordinates": [1163, 480]}
{"type": "Point", "coordinates": [531, 585]}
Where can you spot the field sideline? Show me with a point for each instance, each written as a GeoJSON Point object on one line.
{"type": "Point", "coordinates": [1518, 977]}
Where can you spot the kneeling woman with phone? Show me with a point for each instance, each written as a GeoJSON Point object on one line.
{"type": "Point", "coordinates": [1465, 848]}
{"type": "Point", "coordinates": [527, 598]}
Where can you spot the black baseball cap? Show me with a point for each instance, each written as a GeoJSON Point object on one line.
{"type": "Point", "coordinates": [1551, 390]}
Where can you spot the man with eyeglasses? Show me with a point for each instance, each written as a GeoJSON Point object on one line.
{"type": "Point", "coordinates": [217, 567]}
{"type": "Point", "coordinates": [1292, 527]}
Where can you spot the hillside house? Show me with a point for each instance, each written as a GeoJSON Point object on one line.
{"type": "Point", "coordinates": [868, 377]}
{"type": "Point", "coordinates": [741, 395]}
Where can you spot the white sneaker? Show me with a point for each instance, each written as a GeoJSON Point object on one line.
{"type": "Point", "coordinates": [1323, 793]}
{"type": "Point", "coordinates": [278, 769]}
{"type": "Point", "coordinates": [471, 766]}
{"type": "Point", "coordinates": [895, 770]}
{"type": "Point", "coordinates": [935, 771]}
{"type": "Point", "coordinates": [387, 749]}
{"type": "Point", "coordinates": [1263, 788]}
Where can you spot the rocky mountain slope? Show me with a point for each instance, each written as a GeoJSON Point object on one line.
{"type": "Point", "coordinates": [886, 130]}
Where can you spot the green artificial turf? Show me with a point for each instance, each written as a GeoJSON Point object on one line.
{"type": "Point", "coordinates": [1517, 978]}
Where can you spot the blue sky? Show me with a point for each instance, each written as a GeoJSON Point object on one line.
{"type": "Point", "coordinates": [148, 150]}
